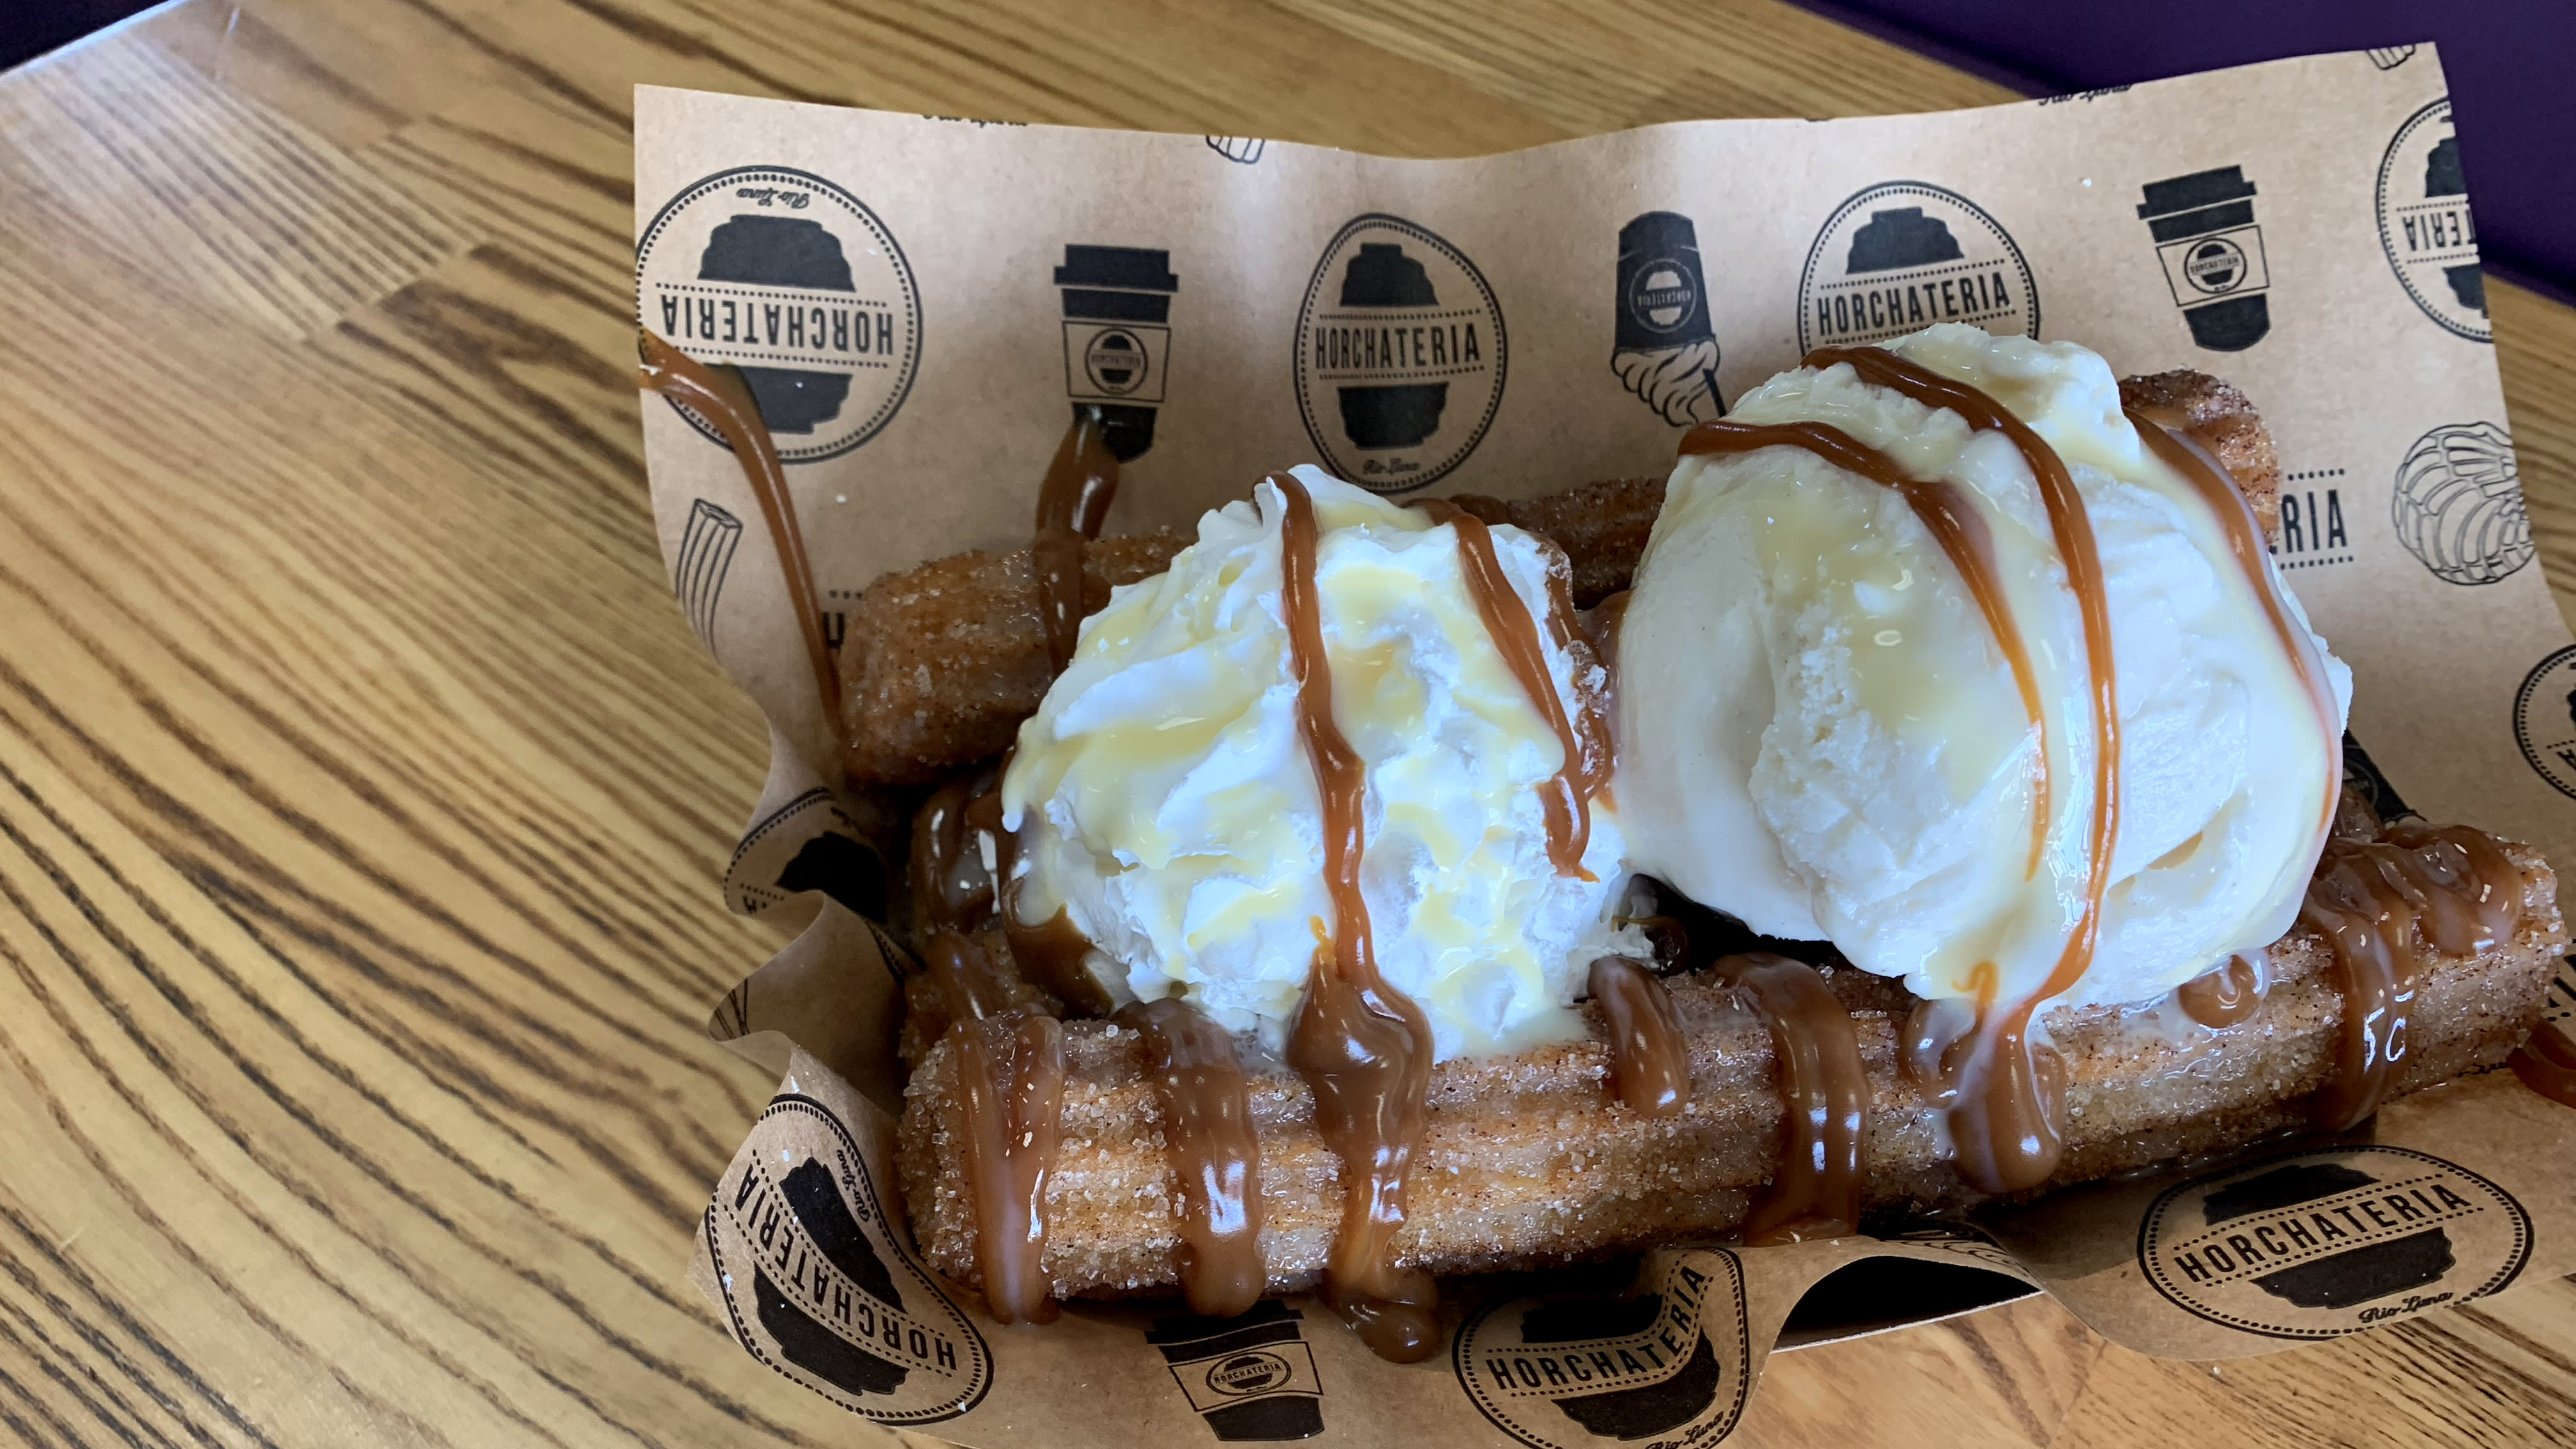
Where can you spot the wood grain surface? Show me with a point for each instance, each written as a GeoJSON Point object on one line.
{"type": "Point", "coordinates": [363, 794]}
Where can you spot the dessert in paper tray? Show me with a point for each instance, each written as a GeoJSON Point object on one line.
{"type": "Point", "coordinates": [1922, 820]}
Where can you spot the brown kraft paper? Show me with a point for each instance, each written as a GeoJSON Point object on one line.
{"type": "Point", "coordinates": [920, 303]}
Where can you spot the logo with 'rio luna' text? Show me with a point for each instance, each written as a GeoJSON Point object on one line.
{"type": "Point", "coordinates": [1400, 355]}
{"type": "Point", "coordinates": [2325, 1243]}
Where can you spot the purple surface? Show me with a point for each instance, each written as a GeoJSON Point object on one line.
{"type": "Point", "coordinates": [2511, 63]}
{"type": "Point", "coordinates": [29, 28]}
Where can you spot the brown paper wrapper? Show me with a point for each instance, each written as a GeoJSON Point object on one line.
{"type": "Point", "coordinates": [919, 303]}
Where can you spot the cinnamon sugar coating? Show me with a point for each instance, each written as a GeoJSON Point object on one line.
{"type": "Point", "coordinates": [943, 661]}
{"type": "Point", "coordinates": [2225, 422]}
{"type": "Point", "coordinates": [1531, 1159]}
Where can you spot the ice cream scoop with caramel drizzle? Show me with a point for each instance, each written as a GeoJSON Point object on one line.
{"type": "Point", "coordinates": [1164, 799]}
{"type": "Point", "coordinates": [1940, 655]}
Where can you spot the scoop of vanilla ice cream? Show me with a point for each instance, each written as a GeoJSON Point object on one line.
{"type": "Point", "coordinates": [1820, 733]}
{"type": "Point", "coordinates": [1165, 798]}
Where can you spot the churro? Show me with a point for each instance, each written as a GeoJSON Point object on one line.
{"type": "Point", "coordinates": [943, 661]}
{"type": "Point", "coordinates": [1601, 526]}
{"type": "Point", "coordinates": [1532, 1159]}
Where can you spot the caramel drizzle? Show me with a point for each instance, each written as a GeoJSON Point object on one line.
{"type": "Point", "coordinates": [2384, 907]}
{"type": "Point", "coordinates": [1649, 1062]}
{"type": "Point", "coordinates": [1601, 628]}
{"type": "Point", "coordinates": [1055, 955]}
{"type": "Point", "coordinates": [969, 989]}
{"type": "Point", "coordinates": [1815, 1191]}
{"type": "Point", "coordinates": [1954, 523]}
{"type": "Point", "coordinates": [962, 877]}
{"type": "Point", "coordinates": [1565, 801]}
{"type": "Point", "coordinates": [1073, 504]}
{"type": "Point", "coordinates": [2007, 1118]}
{"type": "Point", "coordinates": [1214, 1151]}
{"type": "Point", "coordinates": [2209, 478]}
{"type": "Point", "coordinates": [1013, 1106]}
{"type": "Point", "coordinates": [2379, 904]}
{"type": "Point", "coordinates": [2224, 997]}
{"type": "Point", "coordinates": [1011, 1092]}
{"type": "Point", "coordinates": [1363, 1047]}
{"type": "Point", "coordinates": [721, 398]}
{"type": "Point", "coordinates": [952, 881]}
{"type": "Point", "coordinates": [2547, 1064]}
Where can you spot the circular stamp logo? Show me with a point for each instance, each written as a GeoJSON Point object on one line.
{"type": "Point", "coordinates": [1256, 1372]}
{"type": "Point", "coordinates": [1400, 355]}
{"type": "Point", "coordinates": [1662, 296]}
{"type": "Point", "coordinates": [787, 277]}
{"type": "Point", "coordinates": [1903, 255]}
{"type": "Point", "coordinates": [2216, 266]}
{"type": "Point", "coordinates": [2457, 504]}
{"type": "Point", "coordinates": [816, 1286]}
{"type": "Point", "coordinates": [1668, 1363]}
{"type": "Point", "coordinates": [2325, 1243]}
{"type": "Point", "coordinates": [1116, 361]}
{"type": "Point", "coordinates": [2425, 226]}
{"type": "Point", "coordinates": [2544, 719]}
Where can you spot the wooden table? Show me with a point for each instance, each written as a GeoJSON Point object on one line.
{"type": "Point", "coordinates": [363, 794]}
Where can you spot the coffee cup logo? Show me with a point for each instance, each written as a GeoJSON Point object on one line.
{"type": "Point", "coordinates": [2321, 1244]}
{"type": "Point", "coordinates": [1115, 363]}
{"type": "Point", "coordinates": [2203, 226]}
{"type": "Point", "coordinates": [1251, 1377]}
{"type": "Point", "coordinates": [1117, 341]}
{"type": "Point", "coordinates": [796, 284]}
{"type": "Point", "coordinates": [1904, 255]}
{"type": "Point", "coordinates": [816, 1287]}
{"type": "Point", "coordinates": [1400, 355]}
{"type": "Point", "coordinates": [2457, 504]}
{"type": "Point", "coordinates": [1666, 351]}
{"type": "Point", "coordinates": [2425, 226]}
{"type": "Point", "coordinates": [1669, 1363]}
